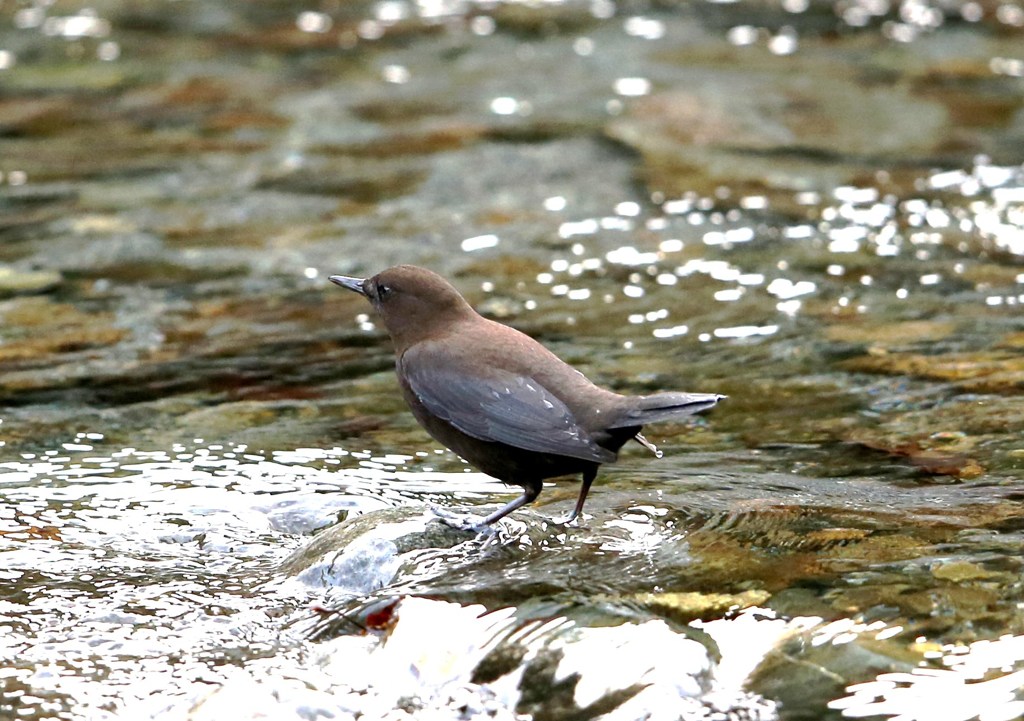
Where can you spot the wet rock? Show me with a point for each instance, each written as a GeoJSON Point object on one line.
{"type": "Point", "coordinates": [36, 116]}
{"type": "Point", "coordinates": [894, 334]}
{"type": "Point", "coordinates": [810, 667]}
{"type": "Point", "coordinates": [961, 571]}
{"type": "Point", "coordinates": [684, 607]}
{"type": "Point", "coordinates": [734, 128]}
{"type": "Point", "coordinates": [988, 371]}
{"type": "Point", "coordinates": [534, 20]}
{"type": "Point", "coordinates": [363, 554]}
{"type": "Point", "coordinates": [14, 281]}
{"type": "Point", "coordinates": [39, 332]}
{"type": "Point", "coordinates": [359, 182]}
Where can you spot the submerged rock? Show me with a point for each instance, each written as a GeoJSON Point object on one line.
{"type": "Point", "coordinates": [364, 554]}
{"type": "Point", "coordinates": [14, 281]}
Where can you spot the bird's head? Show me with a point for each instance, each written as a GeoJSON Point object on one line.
{"type": "Point", "coordinates": [413, 302]}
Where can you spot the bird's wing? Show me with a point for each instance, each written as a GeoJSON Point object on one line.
{"type": "Point", "coordinates": [502, 407]}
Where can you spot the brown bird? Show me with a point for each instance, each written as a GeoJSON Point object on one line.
{"type": "Point", "coordinates": [497, 397]}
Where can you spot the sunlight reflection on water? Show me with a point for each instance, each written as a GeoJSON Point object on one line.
{"type": "Point", "coordinates": [977, 681]}
{"type": "Point", "coordinates": [124, 569]}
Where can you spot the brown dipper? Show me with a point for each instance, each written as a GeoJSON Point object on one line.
{"type": "Point", "coordinates": [500, 399]}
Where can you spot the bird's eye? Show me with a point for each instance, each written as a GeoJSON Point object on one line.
{"type": "Point", "coordinates": [383, 291]}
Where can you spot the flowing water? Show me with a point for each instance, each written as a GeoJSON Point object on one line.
{"type": "Point", "coordinates": [213, 502]}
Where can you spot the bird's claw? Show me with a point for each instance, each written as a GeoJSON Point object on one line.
{"type": "Point", "coordinates": [460, 522]}
{"type": "Point", "coordinates": [573, 519]}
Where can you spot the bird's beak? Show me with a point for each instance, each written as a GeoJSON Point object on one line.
{"type": "Point", "coordinates": [353, 284]}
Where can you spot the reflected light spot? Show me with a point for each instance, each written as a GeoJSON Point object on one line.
{"type": "Point", "coordinates": [391, 11]}
{"type": "Point", "coordinates": [107, 51]}
{"type": "Point", "coordinates": [628, 208]}
{"type": "Point", "coordinates": [729, 294]}
{"type": "Point", "coordinates": [948, 179]}
{"type": "Point", "coordinates": [798, 232]}
{"type": "Point", "coordinates": [504, 105]}
{"type": "Point", "coordinates": [31, 17]}
{"type": "Point", "coordinates": [1007, 66]}
{"type": "Point", "coordinates": [628, 255]}
{"type": "Point", "coordinates": [583, 47]}
{"type": "Point", "coordinates": [677, 207]}
{"type": "Point", "coordinates": [742, 35]}
{"type": "Point", "coordinates": [745, 331]}
{"type": "Point", "coordinates": [789, 307]}
{"type": "Point", "coordinates": [479, 242]}
{"type": "Point", "coordinates": [672, 332]}
{"type": "Point", "coordinates": [672, 245]}
{"type": "Point", "coordinates": [555, 203]}
{"type": "Point", "coordinates": [632, 87]}
{"type": "Point", "coordinates": [972, 12]}
{"type": "Point", "coordinates": [482, 25]}
{"type": "Point", "coordinates": [785, 43]}
{"type": "Point", "coordinates": [1010, 15]}
{"type": "Point", "coordinates": [633, 291]}
{"type": "Point", "coordinates": [602, 9]}
{"type": "Point", "coordinates": [580, 227]}
{"type": "Point", "coordinates": [616, 223]}
{"type": "Point", "coordinates": [643, 27]}
{"type": "Point", "coordinates": [311, 273]}
{"type": "Point", "coordinates": [84, 25]}
{"type": "Point", "coordinates": [397, 74]}
{"type": "Point", "coordinates": [7, 59]}
{"type": "Point", "coordinates": [785, 289]}
{"type": "Point", "coordinates": [313, 22]}
{"type": "Point", "coordinates": [855, 195]}
{"type": "Point", "coordinates": [370, 30]}
{"type": "Point", "coordinates": [735, 235]}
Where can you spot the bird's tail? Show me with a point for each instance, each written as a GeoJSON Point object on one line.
{"type": "Point", "coordinates": [665, 407]}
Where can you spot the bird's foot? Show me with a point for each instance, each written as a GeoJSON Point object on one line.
{"type": "Point", "coordinates": [461, 521]}
{"type": "Point", "coordinates": [573, 519]}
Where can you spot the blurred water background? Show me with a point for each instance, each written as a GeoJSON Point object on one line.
{"type": "Point", "coordinates": [815, 207]}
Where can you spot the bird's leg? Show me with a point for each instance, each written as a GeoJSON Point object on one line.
{"type": "Point", "coordinates": [588, 478]}
{"type": "Point", "coordinates": [530, 494]}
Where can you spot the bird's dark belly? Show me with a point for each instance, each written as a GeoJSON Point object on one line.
{"type": "Point", "coordinates": [507, 463]}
